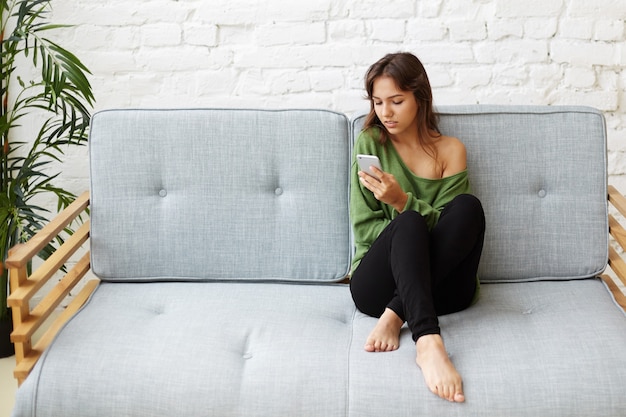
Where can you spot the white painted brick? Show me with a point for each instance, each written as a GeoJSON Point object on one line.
{"type": "Point", "coordinates": [110, 91]}
{"type": "Point", "coordinates": [221, 57]}
{"type": "Point", "coordinates": [137, 85]}
{"type": "Point", "coordinates": [91, 37]}
{"type": "Point", "coordinates": [609, 80]}
{"type": "Point", "coordinates": [514, 50]}
{"type": "Point", "coordinates": [575, 28]}
{"type": "Point", "coordinates": [620, 183]}
{"type": "Point", "coordinates": [579, 77]}
{"type": "Point", "coordinates": [584, 53]}
{"type": "Point", "coordinates": [429, 8]}
{"type": "Point", "coordinates": [446, 53]}
{"type": "Point", "coordinates": [108, 62]}
{"type": "Point", "coordinates": [67, 11]}
{"type": "Point", "coordinates": [103, 14]}
{"type": "Point", "coordinates": [296, 11]}
{"type": "Point", "coordinates": [510, 95]}
{"type": "Point", "coordinates": [472, 76]}
{"type": "Point", "coordinates": [327, 55]}
{"type": "Point", "coordinates": [425, 30]}
{"type": "Point", "coordinates": [386, 30]}
{"type": "Point", "coordinates": [271, 57]}
{"type": "Point", "coordinates": [540, 28]}
{"type": "Point", "coordinates": [597, 9]}
{"type": "Point", "coordinates": [346, 30]}
{"type": "Point", "coordinates": [355, 80]}
{"type": "Point", "coordinates": [453, 95]}
{"type": "Point", "coordinates": [458, 9]}
{"type": "Point", "coordinates": [124, 38]}
{"type": "Point", "coordinates": [214, 83]}
{"type": "Point", "coordinates": [240, 35]}
{"type": "Point", "coordinates": [610, 30]}
{"type": "Point", "coordinates": [439, 76]}
{"type": "Point", "coordinates": [603, 100]}
{"type": "Point", "coordinates": [616, 136]}
{"type": "Point", "coordinates": [528, 8]}
{"type": "Point", "coordinates": [162, 34]}
{"type": "Point", "coordinates": [352, 100]}
{"type": "Point", "coordinates": [467, 30]}
{"type": "Point", "coordinates": [227, 13]}
{"type": "Point", "coordinates": [162, 11]}
{"type": "Point", "coordinates": [287, 82]}
{"type": "Point", "coordinates": [617, 140]}
{"type": "Point", "coordinates": [510, 74]}
{"type": "Point", "coordinates": [617, 163]}
{"type": "Point", "coordinates": [326, 79]}
{"type": "Point", "coordinates": [306, 100]}
{"type": "Point", "coordinates": [254, 12]}
{"type": "Point", "coordinates": [548, 77]}
{"type": "Point", "coordinates": [499, 29]}
{"type": "Point", "coordinates": [622, 104]}
{"type": "Point", "coordinates": [338, 11]}
{"type": "Point", "coordinates": [252, 82]}
{"type": "Point", "coordinates": [291, 33]}
{"type": "Point", "coordinates": [178, 58]}
{"type": "Point", "coordinates": [375, 9]}
{"type": "Point", "coordinates": [621, 48]}
{"type": "Point", "coordinates": [200, 34]}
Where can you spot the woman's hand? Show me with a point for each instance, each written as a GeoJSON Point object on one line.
{"type": "Point", "coordinates": [385, 188]}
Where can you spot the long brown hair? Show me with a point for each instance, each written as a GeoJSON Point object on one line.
{"type": "Point", "coordinates": [409, 75]}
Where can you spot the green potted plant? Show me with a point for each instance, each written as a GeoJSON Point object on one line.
{"type": "Point", "coordinates": [44, 87]}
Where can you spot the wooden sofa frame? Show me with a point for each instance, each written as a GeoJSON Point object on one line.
{"type": "Point", "coordinates": [28, 320]}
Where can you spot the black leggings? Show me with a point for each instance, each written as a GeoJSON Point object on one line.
{"type": "Point", "coordinates": [418, 273]}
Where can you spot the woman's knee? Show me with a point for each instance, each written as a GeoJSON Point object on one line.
{"type": "Point", "coordinates": [410, 219]}
{"type": "Point", "coordinates": [408, 229]}
{"type": "Point", "coordinates": [469, 200]}
{"type": "Point", "coordinates": [471, 206]}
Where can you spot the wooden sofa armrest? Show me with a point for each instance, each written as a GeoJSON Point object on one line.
{"type": "Point", "coordinates": [618, 232]}
{"type": "Point", "coordinates": [24, 286]}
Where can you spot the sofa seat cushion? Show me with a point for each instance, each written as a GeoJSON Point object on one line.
{"type": "Point", "coordinates": [248, 349]}
{"type": "Point", "coordinates": [534, 349]}
{"type": "Point", "coordinates": [199, 349]}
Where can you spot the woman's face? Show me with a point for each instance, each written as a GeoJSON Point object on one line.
{"type": "Point", "coordinates": [396, 109]}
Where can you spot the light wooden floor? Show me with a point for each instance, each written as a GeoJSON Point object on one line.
{"type": "Point", "coordinates": [8, 386]}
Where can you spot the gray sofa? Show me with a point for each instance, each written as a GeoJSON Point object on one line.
{"type": "Point", "coordinates": [221, 240]}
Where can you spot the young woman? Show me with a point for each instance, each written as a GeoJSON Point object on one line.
{"type": "Point", "coordinates": [418, 232]}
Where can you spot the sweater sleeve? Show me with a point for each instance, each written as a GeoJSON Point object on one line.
{"type": "Point", "coordinates": [366, 212]}
{"type": "Point", "coordinates": [440, 195]}
{"type": "Point", "coordinates": [426, 210]}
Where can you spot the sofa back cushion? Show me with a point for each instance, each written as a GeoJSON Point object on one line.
{"type": "Point", "coordinates": [541, 175]}
{"type": "Point", "coordinates": [220, 194]}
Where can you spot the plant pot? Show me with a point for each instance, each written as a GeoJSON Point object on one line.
{"type": "Point", "coordinates": [6, 347]}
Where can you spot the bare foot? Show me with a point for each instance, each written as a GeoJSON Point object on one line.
{"type": "Point", "coordinates": [440, 374]}
{"type": "Point", "coordinates": [385, 336]}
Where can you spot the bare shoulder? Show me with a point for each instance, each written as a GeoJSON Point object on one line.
{"type": "Point", "coordinates": [453, 155]}
{"type": "Point", "coordinates": [451, 144]}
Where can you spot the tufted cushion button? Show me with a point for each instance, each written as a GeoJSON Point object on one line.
{"type": "Point", "coordinates": [542, 193]}
{"type": "Point", "coordinates": [162, 193]}
{"type": "Point", "coordinates": [278, 191]}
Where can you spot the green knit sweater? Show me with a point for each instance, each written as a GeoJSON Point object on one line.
{"type": "Point", "coordinates": [427, 196]}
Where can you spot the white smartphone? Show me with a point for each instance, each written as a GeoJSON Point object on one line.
{"type": "Point", "coordinates": [366, 162]}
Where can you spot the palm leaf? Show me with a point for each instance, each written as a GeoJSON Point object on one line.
{"type": "Point", "coordinates": [63, 93]}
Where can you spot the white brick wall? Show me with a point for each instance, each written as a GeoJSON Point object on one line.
{"type": "Point", "coordinates": [286, 53]}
